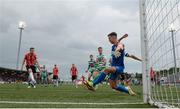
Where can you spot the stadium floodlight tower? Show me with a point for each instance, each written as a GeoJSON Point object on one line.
{"type": "Point", "coordinates": [172, 30]}
{"type": "Point", "coordinates": [22, 25]}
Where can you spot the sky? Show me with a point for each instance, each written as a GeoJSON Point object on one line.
{"type": "Point", "coordinates": [68, 31]}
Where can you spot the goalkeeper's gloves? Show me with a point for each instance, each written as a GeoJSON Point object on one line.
{"type": "Point", "coordinates": [117, 54]}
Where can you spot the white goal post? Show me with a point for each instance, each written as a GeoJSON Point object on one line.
{"type": "Point", "coordinates": [160, 49]}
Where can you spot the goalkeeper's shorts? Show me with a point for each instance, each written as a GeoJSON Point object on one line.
{"type": "Point", "coordinates": [119, 70]}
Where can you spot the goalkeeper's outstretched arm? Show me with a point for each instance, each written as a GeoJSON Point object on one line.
{"type": "Point", "coordinates": [124, 36]}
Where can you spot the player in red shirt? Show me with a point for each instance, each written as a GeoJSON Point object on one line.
{"type": "Point", "coordinates": [31, 61]}
{"type": "Point", "coordinates": [153, 77]}
{"type": "Point", "coordinates": [74, 73]}
{"type": "Point", "coordinates": [55, 75]}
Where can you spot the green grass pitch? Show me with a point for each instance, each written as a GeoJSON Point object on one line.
{"type": "Point", "coordinates": [67, 96]}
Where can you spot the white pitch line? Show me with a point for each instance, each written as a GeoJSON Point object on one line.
{"type": "Point", "coordinates": [23, 102]}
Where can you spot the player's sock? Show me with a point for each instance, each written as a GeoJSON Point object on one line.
{"type": "Point", "coordinates": [29, 84]}
{"type": "Point", "coordinates": [56, 82]}
{"type": "Point", "coordinates": [122, 88]}
{"type": "Point", "coordinates": [99, 78]}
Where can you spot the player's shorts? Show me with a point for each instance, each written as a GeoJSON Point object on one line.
{"type": "Point", "coordinates": [43, 77]}
{"type": "Point", "coordinates": [101, 68]}
{"type": "Point", "coordinates": [153, 79]}
{"type": "Point", "coordinates": [74, 77]}
{"type": "Point", "coordinates": [55, 76]}
{"type": "Point", "coordinates": [91, 70]}
{"type": "Point", "coordinates": [32, 67]}
{"type": "Point", "coordinates": [115, 76]}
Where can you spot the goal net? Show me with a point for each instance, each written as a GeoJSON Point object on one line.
{"type": "Point", "coordinates": [160, 41]}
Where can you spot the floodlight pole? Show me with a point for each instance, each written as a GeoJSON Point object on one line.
{"type": "Point", "coordinates": [19, 46]}
{"type": "Point", "coordinates": [173, 45]}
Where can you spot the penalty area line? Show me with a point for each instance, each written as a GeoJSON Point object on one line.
{"type": "Point", "coordinates": [65, 103]}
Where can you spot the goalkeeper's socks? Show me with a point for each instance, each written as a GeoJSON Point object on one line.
{"type": "Point", "coordinates": [122, 88]}
{"type": "Point", "coordinates": [99, 78]}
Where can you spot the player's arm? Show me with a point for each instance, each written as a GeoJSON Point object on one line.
{"type": "Point", "coordinates": [23, 64]}
{"type": "Point", "coordinates": [88, 67]}
{"type": "Point", "coordinates": [104, 61]}
{"type": "Point", "coordinates": [124, 36]}
{"type": "Point", "coordinates": [38, 65]}
{"type": "Point", "coordinates": [97, 60]}
{"type": "Point", "coordinates": [77, 71]}
{"type": "Point", "coordinates": [71, 71]}
{"type": "Point", "coordinates": [133, 57]}
{"type": "Point", "coordinates": [120, 47]}
{"type": "Point", "coordinates": [46, 73]}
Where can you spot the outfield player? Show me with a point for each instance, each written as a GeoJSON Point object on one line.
{"type": "Point", "coordinates": [44, 76]}
{"type": "Point", "coordinates": [91, 67]}
{"type": "Point", "coordinates": [74, 73]}
{"type": "Point", "coordinates": [100, 63]}
{"type": "Point", "coordinates": [30, 59]}
{"type": "Point", "coordinates": [126, 78]}
{"type": "Point", "coordinates": [100, 60]}
{"type": "Point", "coordinates": [153, 77]}
{"type": "Point", "coordinates": [118, 53]}
{"type": "Point", "coordinates": [55, 75]}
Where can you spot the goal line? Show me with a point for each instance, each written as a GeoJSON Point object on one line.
{"type": "Point", "coordinates": [76, 103]}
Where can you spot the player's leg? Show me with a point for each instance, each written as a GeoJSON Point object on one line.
{"type": "Point", "coordinates": [46, 82]}
{"type": "Point", "coordinates": [43, 80]}
{"type": "Point", "coordinates": [99, 78]}
{"type": "Point", "coordinates": [103, 74]}
{"type": "Point", "coordinates": [34, 71]}
{"type": "Point", "coordinates": [95, 74]}
{"type": "Point", "coordinates": [89, 76]}
{"type": "Point", "coordinates": [29, 84]}
{"type": "Point", "coordinates": [106, 80]}
{"type": "Point", "coordinates": [128, 79]}
{"type": "Point", "coordinates": [91, 70]}
{"type": "Point", "coordinates": [72, 78]}
{"type": "Point", "coordinates": [34, 76]}
{"type": "Point", "coordinates": [54, 80]}
{"type": "Point", "coordinates": [113, 80]}
{"type": "Point", "coordinates": [57, 82]}
{"type": "Point", "coordinates": [118, 87]}
{"type": "Point", "coordinates": [32, 82]}
{"type": "Point", "coordinates": [76, 81]}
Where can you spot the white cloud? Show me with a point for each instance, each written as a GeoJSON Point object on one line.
{"type": "Point", "coordinates": [67, 31]}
